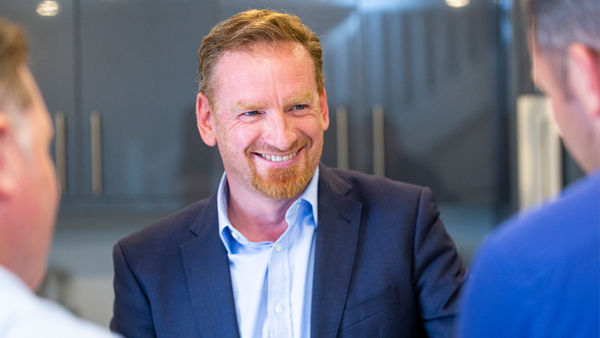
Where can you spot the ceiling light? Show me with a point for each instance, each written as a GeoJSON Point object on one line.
{"type": "Point", "coordinates": [457, 3]}
{"type": "Point", "coordinates": [48, 8]}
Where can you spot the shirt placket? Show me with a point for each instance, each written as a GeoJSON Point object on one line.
{"type": "Point", "coordinates": [280, 281]}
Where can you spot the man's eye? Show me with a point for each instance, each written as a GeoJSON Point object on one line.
{"type": "Point", "coordinates": [251, 113]}
{"type": "Point", "coordinates": [299, 106]}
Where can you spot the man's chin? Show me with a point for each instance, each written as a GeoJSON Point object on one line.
{"type": "Point", "coordinates": [282, 184]}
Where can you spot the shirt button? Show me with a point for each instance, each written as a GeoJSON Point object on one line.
{"type": "Point", "coordinates": [279, 309]}
{"type": "Point", "coordinates": [278, 247]}
{"type": "Point", "coordinates": [296, 206]}
{"type": "Point", "coordinates": [234, 235]}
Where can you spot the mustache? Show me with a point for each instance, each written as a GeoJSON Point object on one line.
{"type": "Point", "coordinates": [272, 150]}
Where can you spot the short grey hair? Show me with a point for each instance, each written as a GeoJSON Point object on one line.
{"type": "Point", "coordinates": [559, 23]}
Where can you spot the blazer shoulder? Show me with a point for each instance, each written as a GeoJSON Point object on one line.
{"type": "Point", "coordinates": [365, 186]}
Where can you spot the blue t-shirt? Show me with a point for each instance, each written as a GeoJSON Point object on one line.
{"type": "Point", "coordinates": [538, 274]}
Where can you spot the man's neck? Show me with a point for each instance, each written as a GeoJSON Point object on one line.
{"type": "Point", "coordinates": [258, 218]}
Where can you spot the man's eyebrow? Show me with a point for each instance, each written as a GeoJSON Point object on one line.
{"type": "Point", "coordinates": [248, 105]}
{"type": "Point", "coordinates": [304, 96]}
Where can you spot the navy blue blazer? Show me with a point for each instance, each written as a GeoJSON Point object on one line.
{"type": "Point", "coordinates": [384, 267]}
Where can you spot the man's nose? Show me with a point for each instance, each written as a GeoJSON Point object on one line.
{"type": "Point", "coordinates": [280, 131]}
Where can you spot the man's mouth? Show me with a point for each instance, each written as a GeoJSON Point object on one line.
{"type": "Point", "coordinates": [279, 158]}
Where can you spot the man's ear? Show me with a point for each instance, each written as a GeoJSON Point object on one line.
{"type": "Point", "coordinates": [324, 109]}
{"type": "Point", "coordinates": [10, 154]}
{"type": "Point", "coordinates": [204, 119]}
{"type": "Point", "coordinates": [584, 78]}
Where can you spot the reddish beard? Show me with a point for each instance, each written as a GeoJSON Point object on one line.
{"type": "Point", "coordinates": [286, 183]}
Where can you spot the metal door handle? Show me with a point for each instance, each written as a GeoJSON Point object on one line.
{"type": "Point", "coordinates": [96, 141]}
{"type": "Point", "coordinates": [343, 158]}
{"type": "Point", "coordinates": [378, 141]}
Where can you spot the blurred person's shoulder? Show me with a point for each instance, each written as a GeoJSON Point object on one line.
{"type": "Point", "coordinates": [537, 274]}
{"type": "Point", "coordinates": [569, 224]}
{"type": "Point", "coordinates": [23, 314]}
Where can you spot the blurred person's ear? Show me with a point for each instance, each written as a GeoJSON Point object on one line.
{"type": "Point", "coordinates": [204, 118]}
{"type": "Point", "coordinates": [584, 78]}
{"type": "Point", "coordinates": [9, 153]}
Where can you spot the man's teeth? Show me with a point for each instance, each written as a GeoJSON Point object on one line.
{"type": "Point", "coordinates": [277, 158]}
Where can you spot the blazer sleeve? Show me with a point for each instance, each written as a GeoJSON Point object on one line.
{"type": "Point", "coordinates": [132, 316]}
{"type": "Point", "coordinates": [438, 270]}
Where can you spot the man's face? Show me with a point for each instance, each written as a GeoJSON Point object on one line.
{"type": "Point", "coordinates": [36, 198]}
{"type": "Point", "coordinates": [576, 129]}
{"type": "Point", "coordinates": [269, 118]}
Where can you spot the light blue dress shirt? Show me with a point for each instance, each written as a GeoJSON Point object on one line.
{"type": "Point", "coordinates": [272, 281]}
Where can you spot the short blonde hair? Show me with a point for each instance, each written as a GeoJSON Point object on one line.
{"type": "Point", "coordinates": [15, 96]}
{"type": "Point", "coordinates": [247, 29]}
{"type": "Point", "coordinates": [13, 54]}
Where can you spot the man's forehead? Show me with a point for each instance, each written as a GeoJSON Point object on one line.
{"type": "Point", "coordinates": [263, 51]}
{"type": "Point", "coordinates": [265, 48]}
{"type": "Point", "coordinates": [240, 66]}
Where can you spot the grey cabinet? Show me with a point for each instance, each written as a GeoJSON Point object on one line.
{"type": "Point", "coordinates": [432, 70]}
{"type": "Point", "coordinates": [138, 72]}
{"type": "Point", "coordinates": [130, 66]}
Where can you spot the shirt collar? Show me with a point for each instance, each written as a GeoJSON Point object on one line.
{"type": "Point", "coordinates": [10, 281]}
{"type": "Point", "coordinates": [226, 230]}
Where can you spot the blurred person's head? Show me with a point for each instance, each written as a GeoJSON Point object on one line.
{"type": "Point", "coordinates": [28, 185]}
{"type": "Point", "coordinates": [564, 41]}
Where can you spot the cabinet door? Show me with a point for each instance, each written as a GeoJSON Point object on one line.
{"type": "Point", "coordinates": [432, 70]}
{"type": "Point", "coordinates": [138, 74]}
{"type": "Point", "coordinates": [52, 61]}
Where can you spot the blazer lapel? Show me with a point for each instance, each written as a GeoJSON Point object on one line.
{"type": "Point", "coordinates": [208, 278]}
{"type": "Point", "coordinates": [337, 238]}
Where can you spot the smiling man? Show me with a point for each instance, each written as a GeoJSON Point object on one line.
{"type": "Point", "coordinates": [286, 247]}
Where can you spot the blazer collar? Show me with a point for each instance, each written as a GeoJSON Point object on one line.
{"type": "Point", "coordinates": [336, 243]}
{"type": "Point", "coordinates": [208, 278]}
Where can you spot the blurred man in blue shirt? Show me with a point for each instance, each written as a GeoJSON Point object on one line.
{"type": "Point", "coordinates": [538, 275]}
